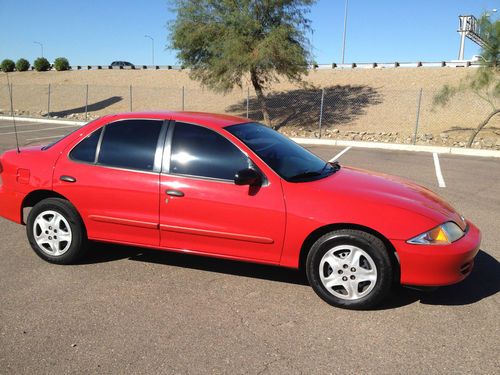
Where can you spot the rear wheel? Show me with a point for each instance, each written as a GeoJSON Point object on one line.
{"type": "Point", "coordinates": [56, 232]}
{"type": "Point", "coordinates": [350, 269]}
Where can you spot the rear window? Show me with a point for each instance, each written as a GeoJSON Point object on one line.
{"type": "Point", "coordinates": [85, 150]}
{"type": "Point", "coordinates": [66, 136]}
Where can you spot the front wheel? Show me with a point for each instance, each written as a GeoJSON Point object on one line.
{"type": "Point", "coordinates": [56, 231]}
{"type": "Point", "coordinates": [350, 269]}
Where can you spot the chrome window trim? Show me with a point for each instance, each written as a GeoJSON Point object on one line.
{"type": "Point", "coordinates": [99, 142]}
{"type": "Point", "coordinates": [231, 182]}
{"type": "Point", "coordinates": [160, 146]}
{"type": "Point", "coordinates": [165, 168]}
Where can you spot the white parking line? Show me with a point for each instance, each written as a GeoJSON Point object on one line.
{"type": "Point", "coordinates": [340, 153]}
{"type": "Point", "coordinates": [40, 138]}
{"type": "Point", "coordinates": [18, 124]}
{"type": "Point", "coordinates": [41, 130]}
{"type": "Point", "coordinates": [439, 174]}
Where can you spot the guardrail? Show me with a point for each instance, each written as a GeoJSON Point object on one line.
{"type": "Point", "coordinates": [133, 67]}
{"type": "Point", "coordinates": [396, 64]}
{"type": "Point", "coordinates": [374, 65]}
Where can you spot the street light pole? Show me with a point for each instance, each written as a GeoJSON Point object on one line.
{"type": "Point", "coordinates": [41, 46]}
{"type": "Point", "coordinates": [152, 46]}
{"type": "Point", "coordinates": [345, 29]}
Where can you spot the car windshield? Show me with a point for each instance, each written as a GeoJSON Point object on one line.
{"type": "Point", "coordinates": [289, 160]}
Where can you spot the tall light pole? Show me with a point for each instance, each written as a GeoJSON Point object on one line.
{"type": "Point", "coordinates": [41, 46]}
{"type": "Point", "coordinates": [487, 14]}
{"type": "Point", "coordinates": [152, 46]}
{"type": "Point", "coordinates": [345, 29]}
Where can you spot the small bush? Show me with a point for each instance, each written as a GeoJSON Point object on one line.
{"type": "Point", "coordinates": [22, 65]}
{"type": "Point", "coordinates": [8, 65]}
{"type": "Point", "coordinates": [41, 64]}
{"type": "Point", "coordinates": [61, 63]}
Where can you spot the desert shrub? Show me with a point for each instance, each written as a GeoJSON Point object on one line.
{"type": "Point", "coordinates": [7, 65]}
{"type": "Point", "coordinates": [41, 64]}
{"type": "Point", "coordinates": [61, 63]}
{"type": "Point", "coordinates": [22, 65]}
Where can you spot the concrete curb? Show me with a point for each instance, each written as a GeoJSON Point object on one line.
{"type": "Point", "coordinates": [325, 142]}
{"type": "Point", "coordinates": [43, 120]}
{"type": "Point", "coordinates": [400, 147]}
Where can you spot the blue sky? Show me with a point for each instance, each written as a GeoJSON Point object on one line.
{"type": "Point", "coordinates": [98, 32]}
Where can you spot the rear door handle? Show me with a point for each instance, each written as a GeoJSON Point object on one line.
{"type": "Point", "coordinates": [67, 178]}
{"type": "Point", "coordinates": [174, 193]}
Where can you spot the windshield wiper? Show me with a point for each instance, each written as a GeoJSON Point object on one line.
{"type": "Point", "coordinates": [306, 174]}
{"type": "Point", "coordinates": [335, 166]}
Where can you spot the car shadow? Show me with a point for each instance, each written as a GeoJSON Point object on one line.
{"type": "Point", "coordinates": [100, 252]}
{"type": "Point", "coordinates": [483, 282]}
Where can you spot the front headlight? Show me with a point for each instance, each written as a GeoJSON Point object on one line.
{"type": "Point", "coordinates": [441, 235]}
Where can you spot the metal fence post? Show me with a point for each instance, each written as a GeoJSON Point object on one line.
{"type": "Point", "coordinates": [130, 95]}
{"type": "Point", "coordinates": [48, 103]}
{"type": "Point", "coordinates": [418, 116]}
{"type": "Point", "coordinates": [321, 111]}
{"type": "Point", "coordinates": [86, 100]}
{"type": "Point", "coordinates": [248, 99]}
{"type": "Point", "coordinates": [10, 87]}
{"type": "Point", "coordinates": [183, 98]}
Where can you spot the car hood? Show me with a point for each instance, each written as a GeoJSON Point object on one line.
{"type": "Point", "coordinates": [383, 189]}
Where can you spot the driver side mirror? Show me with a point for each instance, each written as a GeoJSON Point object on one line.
{"type": "Point", "coordinates": [248, 177]}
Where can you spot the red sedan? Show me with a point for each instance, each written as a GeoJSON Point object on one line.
{"type": "Point", "coordinates": [225, 187]}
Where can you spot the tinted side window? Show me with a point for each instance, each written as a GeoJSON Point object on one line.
{"type": "Point", "coordinates": [198, 151]}
{"type": "Point", "coordinates": [130, 144]}
{"type": "Point", "coordinates": [85, 150]}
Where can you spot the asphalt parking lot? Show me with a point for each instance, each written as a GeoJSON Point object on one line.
{"type": "Point", "coordinates": [130, 310]}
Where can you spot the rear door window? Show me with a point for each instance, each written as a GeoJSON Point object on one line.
{"type": "Point", "coordinates": [130, 144]}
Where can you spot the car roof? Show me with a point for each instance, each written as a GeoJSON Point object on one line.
{"type": "Point", "coordinates": [213, 120]}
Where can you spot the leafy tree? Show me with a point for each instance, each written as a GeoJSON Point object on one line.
{"type": "Point", "coordinates": [485, 82]}
{"type": "Point", "coordinates": [225, 41]}
{"type": "Point", "coordinates": [61, 63]}
{"type": "Point", "coordinates": [7, 65]}
{"type": "Point", "coordinates": [22, 65]}
{"type": "Point", "coordinates": [41, 64]}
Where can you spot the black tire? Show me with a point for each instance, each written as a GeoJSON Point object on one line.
{"type": "Point", "coordinates": [365, 294]}
{"type": "Point", "coordinates": [75, 248]}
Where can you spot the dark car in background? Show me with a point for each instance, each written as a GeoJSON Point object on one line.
{"type": "Point", "coordinates": [121, 64]}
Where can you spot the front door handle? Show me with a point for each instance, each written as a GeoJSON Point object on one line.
{"type": "Point", "coordinates": [174, 193]}
{"type": "Point", "coordinates": [67, 178]}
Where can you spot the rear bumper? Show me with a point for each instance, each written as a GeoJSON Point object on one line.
{"type": "Point", "coordinates": [10, 204]}
{"type": "Point", "coordinates": [427, 265]}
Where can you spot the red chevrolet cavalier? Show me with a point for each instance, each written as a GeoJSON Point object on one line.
{"type": "Point", "coordinates": [222, 186]}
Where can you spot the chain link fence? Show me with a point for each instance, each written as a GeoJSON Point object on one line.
{"type": "Point", "coordinates": [350, 112]}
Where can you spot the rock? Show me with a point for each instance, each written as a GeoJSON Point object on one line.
{"type": "Point", "coordinates": [335, 131]}
{"type": "Point", "coordinates": [444, 136]}
{"type": "Point", "coordinates": [488, 142]}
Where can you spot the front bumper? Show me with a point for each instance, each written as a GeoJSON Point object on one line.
{"type": "Point", "coordinates": [436, 265]}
